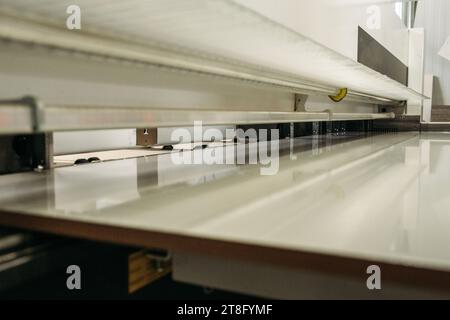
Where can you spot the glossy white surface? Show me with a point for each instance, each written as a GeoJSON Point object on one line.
{"type": "Point", "coordinates": [384, 198]}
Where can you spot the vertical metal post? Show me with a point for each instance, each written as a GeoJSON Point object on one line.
{"type": "Point", "coordinates": [291, 141]}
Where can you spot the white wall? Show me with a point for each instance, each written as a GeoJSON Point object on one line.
{"type": "Point", "coordinates": [434, 16]}
{"type": "Point", "coordinates": [415, 71]}
{"type": "Point", "coordinates": [334, 23]}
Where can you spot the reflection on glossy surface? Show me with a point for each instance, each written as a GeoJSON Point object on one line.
{"type": "Point", "coordinates": [383, 197]}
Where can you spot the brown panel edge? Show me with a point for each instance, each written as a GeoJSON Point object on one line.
{"type": "Point", "coordinates": [300, 260]}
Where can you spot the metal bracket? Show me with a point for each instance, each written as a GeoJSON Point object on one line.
{"type": "Point", "coordinates": [330, 114]}
{"type": "Point", "coordinates": [300, 102]}
{"type": "Point", "coordinates": [160, 260]}
{"type": "Point", "coordinates": [399, 110]}
{"type": "Point", "coordinates": [300, 105]}
{"type": "Point", "coordinates": [36, 111]}
{"type": "Point", "coordinates": [35, 106]}
{"type": "Point", "coordinates": [37, 146]}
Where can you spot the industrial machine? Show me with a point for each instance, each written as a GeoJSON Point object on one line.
{"type": "Point", "coordinates": [164, 148]}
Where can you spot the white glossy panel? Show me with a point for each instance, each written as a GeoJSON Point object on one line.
{"type": "Point", "coordinates": [384, 198]}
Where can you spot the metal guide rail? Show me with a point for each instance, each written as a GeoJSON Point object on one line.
{"type": "Point", "coordinates": [28, 115]}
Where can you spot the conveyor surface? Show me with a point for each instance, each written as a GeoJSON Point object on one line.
{"type": "Point", "coordinates": [381, 198]}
